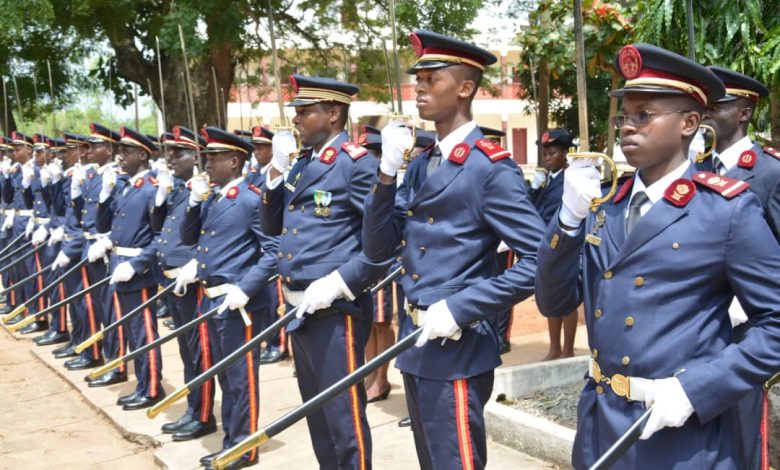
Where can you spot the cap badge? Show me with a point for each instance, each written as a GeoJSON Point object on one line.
{"type": "Point", "coordinates": [630, 62]}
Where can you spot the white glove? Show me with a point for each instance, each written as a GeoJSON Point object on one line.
{"type": "Point", "coordinates": [60, 261]}
{"type": "Point", "coordinates": [187, 275]}
{"type": "Point", "coordinates": [671, 407]}
{"type": "Point", "coordinates": [253, 163]}
{"type": "Point", "coordinates": [57, 235]}
{"type": "Point", "coordinates": [40, 235]}
{"type": "Point", "coordinates": [55, 168]}
{"type": "Point", "coordinates": [502, 247]}
{"type": "Point", "coordinates": [234, 299]}
{"type": "Point", "coordinates": [199, 188]}
{"type": "Point", "coordinates": [107, 184]}
{"type": "Point", "coordinates": [438, 323]}
{"type": "Point", "coordinates": [75, 181]}
{"type": "Point", "coordinates": [284, 147]}
{"type": "Point", "coordinates": [122, 273]}
{"type": "Point", "coordinates": [539, 178]}
{"type": "Point", "coordinates": [99, 249]}
{"type": "Point", "coordinates": [5, 167]}
{"type": "Point", "coordinates": [28, 229]}
{"type": "Point", "coordinates": [396, 138]}
{"type": "Point", "coordinates": [321, 293]}
{"type": "Point", "coordinates": [164, 187]}
{"type": "Point", "coordinates": [8, 223]}
{"type": "Point", "coordinates": [581, 184]}
{"type": "Point", "coordinates": [45, 175]}
{"type": "Point", "coordinates": [28, 173]}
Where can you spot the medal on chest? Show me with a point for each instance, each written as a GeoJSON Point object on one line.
{"type": "Point", "coordinates": [593, 238]}
{"type": "Point", "coordinates": [322, 201]}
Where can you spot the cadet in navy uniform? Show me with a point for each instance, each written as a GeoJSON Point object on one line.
{"type": "Point", "coordinates": [171, 202]}
{"type": "Point", "coordinates": [736, 156]}
{"type": "Point", "coordinates": [318, 211]}
{"type": "Point", "coordinates": [124, 216]}
{"type": "Point", "coordinates": [459, 199]}
{"type": "Point", "coordinates": [659, 265]}
{"type": "Point", "coordinates": [16, 178]}
{"type": "Point", "coordinates": [231, 250]}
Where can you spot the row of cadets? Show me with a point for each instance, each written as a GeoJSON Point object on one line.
{"type": "Point", "coordinates": [6, 152]}
{"type": "Point", "coordinates": [736, 156]}
{"type": "Point", "coordinates": [318, 212]}
{"type": "Point", "coordinates": [277, 348]}
{"type": "Point", "coordinates": [17, 214]}
{"type": "Point", "coordinates": [657, 268]}
{"type": "Point", "coordinates": [231, 249]}
{"type": "Point", "coordinates": [458, 200]}
{"type": "Point", "coordinates": [171, 201]}
{"type": "Point", "coordinates": [124, 227]}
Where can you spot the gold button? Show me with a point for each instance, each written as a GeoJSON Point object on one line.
{"type": "Point", "coordinates": [608, 275]}
{"type": "Point", "coordinates": [594, 353]}
{"type": "Point", "coordinates": [280, 254]}
{"type": "Point", "coordinates": [639, 281]}
{"type": "Point", "coordinates": [675, 246]}
{"type": "Point", "coordinates": [199, 248]}
{"type": "Point", "coordinates": [284, 230]}
{"type": "Point", "coordinates": [625, 360]}
{"type": "Point", "coordinates": [403, 271]}
{"type": "Point", "coordinates": [629, 321]}
{"type": "Point", "coordinates": [599, 389]}
{"type": "Point", "coordinates": [295, 231]}
{"type": "Point", "coordinates": [403, 242]}
{"type": "Point", "coordinates": [554, 241]}
{"type": "Point", "coordinates": [597, 313]}
{"type": "Point", "coordinates": [409, 213]}
{"type": "Point", "coordinates": [202, 232]}
{"type": "Point", "coordinates": [203, 265]}
{"type": "Point", "coordinates": [289, 255]}
{"type": "Point", "coordinates": [399, 258]}
{"type": "Point", "coordinates": [415, 276]}
{"type": "Point", "coordinates": [288, 279]}
{"type": "Point", "coordinates": [291, 207]}
{"type": "Point", "coordinates": [430, 220]}
{"type": "Point", "coordinates": [206, 250]}
{"type": "Point", "coordinates": [374, 188]}
{"type": "Point", "coordinates": [213, 232]}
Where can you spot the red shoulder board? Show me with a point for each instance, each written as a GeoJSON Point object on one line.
{"type": "Point", "coordinates": [232, 192]}
{"type": "Point", "coordinates": [256, 189]}
{"type": "Point", "coordinates": [329, 155]}
{"type": "Point", "coordinates": [153, 180]}
{"type": "Point", "coordinates": [494, 151]}
{"type": "Point", "coordinates": [138, 182]}
{"type": "Point", "coordinates": [460, 153]}
{"type": "Point", "coordinates": [747, 159]}
{"type": "Point", "coordinates": [680, 192]}
{"type": "Point", "coordinates": [772, 151]}
{"type": "Point", "coordinates": [624, 190]}
{"type": "Point", "coordinates": [726, 187]}
{"type": "Point", "coordinates": [354, 151]}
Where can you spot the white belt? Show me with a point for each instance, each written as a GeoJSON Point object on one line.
{"type": "Point", "coordinates": [417, 315]}
{"type": "Point", "coordinates": [128, 252]}
{"type": "Point", "coordinates": [7, 212]}
{"type": "Point", "coordinates": [293, 297]}
{"type": "Point", "coordinates": [172, 273]}
{"type": "Point", "coordinates": [41, 220]}
{"type": "Point", "coordinates": [632, 388]}
{"type": "Point", "coordinates": [25, 213]}
{"type": "Point", "coordinates": [91, 236]}
{"type": "Point", "coordinates": [216, 291]}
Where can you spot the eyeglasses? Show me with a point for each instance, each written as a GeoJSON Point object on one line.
{"type": "Point", "coordinates": [640, 119]}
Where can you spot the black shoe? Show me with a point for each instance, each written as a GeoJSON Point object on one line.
{"type": "Point", "coordinates": [122, 401]}
{"type": "Point", "coordinates": [206, 459]}
{"type": "Point", "coordinates": [162, 311]}
{"type": "Point", "coordinates": [56, 338]}
{"type": "Point", "coordinates": [13, 321]}
{"type": "Point", "coordinates": [170, 428]}
{"type": "Point", "coordinates": [66, 351]}
{"type": "Point", "coordinates": [109, 378]}
{"type": "Point", "coordinates": [143, 402]}
{"type": "Point", "coordinates": [5, 309]}
{"type": "Point", "coordinates": [35, 327]}
{"type": "Point", "coordinates": [81, 363]}
{"type": "Point", "coordinates": [169, 324]}
{"type": "Point", "coordinates": [269, 357]}
{"type": "Point", "coordinates": [244, 461]}
{"type": "Point", "coordinates": [505, 347]}
{"type": "Point", "coordinates": [405, 423]}
{"type": "Point", "coordinates": [40, 338]}
{"type": "Point", "coordinates": [194, 430]}
{"type": "Point", "coordinates": [380, 397]}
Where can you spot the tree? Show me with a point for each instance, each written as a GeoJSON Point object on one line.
{"type": "Point", "coordinates": [744, 36]}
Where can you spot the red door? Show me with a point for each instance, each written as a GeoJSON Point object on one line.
{"type": "Point", "coordinates": [520, 145]}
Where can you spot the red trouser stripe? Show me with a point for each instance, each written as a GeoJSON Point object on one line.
{"type": "Point", "coordinates": [120, 330]}
{"type": "Point", "coordinates": [38, 267]}
{"type": "Point", "coordinates": [765, 432]}
{"type": "Point", "coordinates": [353, 392]}
{"type": "Point", "coordinates": [90, 313]}
{"type": "Point", "coordinates": [510, 261]}
{"type": "Point", "coordinates": [149, 338]}
{"type": "Point", "coordinates": [63, 310]}
{"type": "Point", "coordinates": [283, 331]}
{"type": "Point", "coordinates": [250, 373]}
{"type": "Point", "coordinates": [462, 423]}
{"type": "Point", "coordinates": [205, 362]}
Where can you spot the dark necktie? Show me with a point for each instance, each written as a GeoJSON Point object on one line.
{"type": "Point", "coordinates": [718, 166]}
{"type": "Point", "coordinates": [434, 161]}
{"type": "Point", "coordinates": [634, 210]}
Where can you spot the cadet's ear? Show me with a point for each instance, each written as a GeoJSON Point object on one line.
{"type": "Point", "coordinates": [690, 123]}
{"type": "Point", "coordinates": [745, 114]}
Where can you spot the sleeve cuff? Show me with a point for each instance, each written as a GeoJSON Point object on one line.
{"type": "Point", "coordinates": [272, 184]}
{"type": "Point", "coordinates": [568, 219]}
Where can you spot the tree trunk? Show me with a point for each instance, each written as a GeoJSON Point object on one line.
{"type": "Point", "coordinates": [775, 116]}
{"type": "Point", "coordinates": [613, 102]}
{"type": "Point", "coordinates": [544, 104]}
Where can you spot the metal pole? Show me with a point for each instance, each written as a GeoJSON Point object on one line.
{"type": "Point", "coordinates": [18, 101]}
{"type": "Point", "coordinates": [582, 92]}
{"type": "Point", "coordinates": [51, 92]}
{"type": "Point", "coordinates": [691, 43]}
{"type": "Point", "coordinates": [5, 108]}
{"type": "Point", "coordinates": [135, 99]}
{"type": "Point", "coordinates": [389, 78]}
{"type": "Point", "coordinates": [162, 91]}
{"type": "Point", "coordinates": [275, 65]}
{"type": "Point", "coordinates": [396, 63]}
{"type": "Point", "coordinates": [189, 89]}
{"type": "Point", "coordinates": [216, 98]}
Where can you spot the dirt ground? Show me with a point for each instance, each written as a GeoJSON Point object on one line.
{"type": "Point", "coordinates": [46, 423]}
